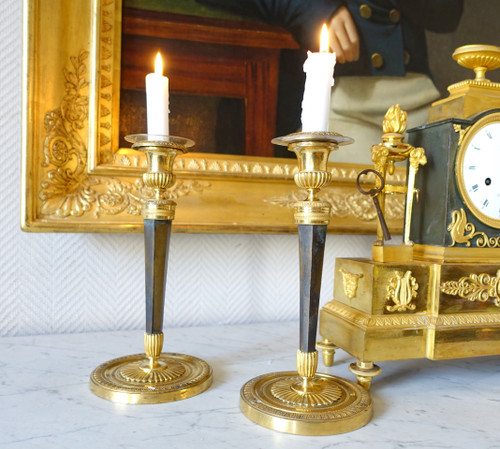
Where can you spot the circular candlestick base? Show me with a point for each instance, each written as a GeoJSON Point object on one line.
{"type": "Point", "coordinates": [129, 379]}
{"type": "Point", "coordinates": [333, 405]}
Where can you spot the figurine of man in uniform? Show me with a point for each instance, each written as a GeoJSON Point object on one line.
{"type": "Point", "coordinates": [381, 54]}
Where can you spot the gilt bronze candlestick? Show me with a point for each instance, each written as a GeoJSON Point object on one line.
{"type": "Point", "coordinates": [154, 376]}
{"type": "Point", "coordinates": [306, 402]}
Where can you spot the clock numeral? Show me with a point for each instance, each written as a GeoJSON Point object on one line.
{"type": "Point", "coordinates": [489, 135]}
{"type": "Point", "coordinates": [475, 187]}
{"type": "Point", "coordinates": [485, 204]}
{"type": "Point", "coordinates": [472, 167]}
{"type": "Point", "coordinates": [476, 148]}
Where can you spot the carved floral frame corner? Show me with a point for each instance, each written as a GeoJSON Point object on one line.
{"type": "Point", "coordinates": [76, 179]}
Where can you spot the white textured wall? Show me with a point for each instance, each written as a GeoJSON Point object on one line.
{"type": "Point", "coordinates": [55, 283]}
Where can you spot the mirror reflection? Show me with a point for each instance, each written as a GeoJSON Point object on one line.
{"type": "Point", "coordinates": [235, 66]}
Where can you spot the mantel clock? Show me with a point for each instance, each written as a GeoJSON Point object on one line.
{"type": "Point", "coordinates": [437, 294]}
{"type": "Point", "coordinates": [459, 207]}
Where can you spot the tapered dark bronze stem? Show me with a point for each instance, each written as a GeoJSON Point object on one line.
{"type": "Point", "coordinates": [312, 249]}
{"type": "Point", "coordinates": [156, 244]}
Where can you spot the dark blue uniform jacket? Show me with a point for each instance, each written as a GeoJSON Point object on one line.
{"type": "Point", "coordinates": [391, 29]}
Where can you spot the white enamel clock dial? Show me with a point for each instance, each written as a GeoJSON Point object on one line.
{"type": "Point", "coordinates": [478, 170]}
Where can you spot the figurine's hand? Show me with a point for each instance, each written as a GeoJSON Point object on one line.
{"type": "Point", "coordinates": [344, 38]}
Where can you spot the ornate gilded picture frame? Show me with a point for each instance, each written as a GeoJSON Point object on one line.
{"type": "Point", "coordinates": [75, 177]}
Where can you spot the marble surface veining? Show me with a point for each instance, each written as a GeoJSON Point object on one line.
{"type": "Point", "coordinates": [46, 402]}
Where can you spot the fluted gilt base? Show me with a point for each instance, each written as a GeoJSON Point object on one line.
{"type": "Point", "coordinates": [131, 380]}
{"type": "Point", "coordinates": [332, 405]}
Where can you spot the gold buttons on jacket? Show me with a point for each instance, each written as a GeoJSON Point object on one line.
{"type": "Point", "coordinates": [394, 16]}
{"type": "Point", "coordinates": [365, 11]}
{"type": "Point", "coordinates": [377, 60]}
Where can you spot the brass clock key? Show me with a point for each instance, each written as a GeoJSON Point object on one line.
{"type": "Point", "coordinates": [374, 195]}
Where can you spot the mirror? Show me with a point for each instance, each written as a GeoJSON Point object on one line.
{"type": "Point", "coordinates": [76, 177]}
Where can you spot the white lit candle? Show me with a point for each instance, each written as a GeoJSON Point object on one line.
{"type": "Point", "coordinates": [157, 100]}
{"type": "Point", "coordinates": [318, 87]}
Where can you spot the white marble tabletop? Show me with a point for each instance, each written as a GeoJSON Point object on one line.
{"type": "Point", "coordinates": [46, 402]}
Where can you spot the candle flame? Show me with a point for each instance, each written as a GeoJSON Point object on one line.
{"type": "Point", "coordinates": [158, 64]}
{"type": "Point", "coordinates": [324, 41]}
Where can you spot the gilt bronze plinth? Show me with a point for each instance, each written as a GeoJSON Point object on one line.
{"type": "Point", "coordinates": [154, 376]}
{"type": "Point", "coordinates": [305, 402]}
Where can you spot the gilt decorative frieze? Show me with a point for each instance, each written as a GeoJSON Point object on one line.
{"type": "Point", "coordinates": [468, 319]}
{"type": "Point", "coordinates": [475, 287]}
{"type": "Point", "coordinates": [106, 108]}
{"type": "Point", "coordinates": [229, 165]}
{"type": "Point", "coordinates": [135, 159]}
{"type": "Point", "coordinates": [350, 204]}
{"type": "Point", "coordinates": [367, 321]}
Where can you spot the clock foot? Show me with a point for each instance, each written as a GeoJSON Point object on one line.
{"type": "Point", "coordinates": [365, 372]}
{"type": "Point", "coordinates": [328, 350]}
